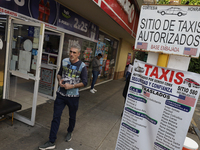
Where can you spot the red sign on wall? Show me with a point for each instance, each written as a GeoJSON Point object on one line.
{"type": "Point", "coordinates": [128, 59]}
{"type": "Point", "coordinates": [107, 65]}
{"type": "Point", "coordinates": [122, 12]}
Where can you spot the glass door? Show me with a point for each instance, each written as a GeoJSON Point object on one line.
{"type": "Point", "coordinates": [24, 67]}
{"type": "Point", "coordinates": [51, 57]}
{"type": "Point", "coordinates": [3, 23]}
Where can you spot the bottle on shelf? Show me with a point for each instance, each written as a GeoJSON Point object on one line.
{"type": "Point", "coordinates": [47, 12]}
{"type": "Point", "coordinates": [41, 10]}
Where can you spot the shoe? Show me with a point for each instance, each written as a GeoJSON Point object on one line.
{"type": "Point", "coordinates": [92, 91]}
{"type": "Point", "coordinates": [68, 137]}
{"type": "Point", "coordinates": [47, 145]}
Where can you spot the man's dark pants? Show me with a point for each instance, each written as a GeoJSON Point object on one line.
{"type": "Point", "coordinates": [95, 76]}
{"type": "Point", "coordinates": [59, 105]}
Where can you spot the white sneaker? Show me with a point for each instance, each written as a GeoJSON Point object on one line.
{"type": "Point", "coordinates": [92, 91]}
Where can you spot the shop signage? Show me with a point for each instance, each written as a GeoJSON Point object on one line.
{"type": "Point", "coordinates": [159, 107]}
{"type": "Point", "coordinates": [169, 29]}
{"type": "Point", "coordinates": [107, 66]}
{"type": "Point", "coordinates": [122, 11]}
{"type": "Point", "coordinates": [52, 14]}
{"type": "Point", "coordinates": [42, 10]}
{"type": "Point", "coordinates": [73, 22]}
{"type": "Point", "coordinates": [100, 49]}
{"type": "Point", "coordinates": [128, 8]}
{"type": "Point", "coordinates": [19, 2]}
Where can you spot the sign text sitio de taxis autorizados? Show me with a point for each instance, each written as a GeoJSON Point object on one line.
{"type": "Point", "coordinates": [169, 29]}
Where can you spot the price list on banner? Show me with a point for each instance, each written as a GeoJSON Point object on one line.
{"type": "Point", "coordinates": [159, 107]}
{"type": "Point", "coordinates": [71, 21]}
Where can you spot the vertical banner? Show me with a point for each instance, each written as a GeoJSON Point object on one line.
{"type": "Point", "coordinates": [128, 59]}
{"type": "Point", "coordinates": [159, 107]}
{"type": "Point", "coordinates": [107, 66]}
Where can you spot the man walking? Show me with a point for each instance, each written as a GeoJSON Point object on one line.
{"type": "Point", "coordinates": [95, 71]}
{"type": "Point", "coordinates": [71, 76]}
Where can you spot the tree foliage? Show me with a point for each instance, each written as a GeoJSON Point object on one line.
{"type": "Point", "coordinates": [183, 2]}
{"type": "Point", "coordinates": [163, 1]}
{"type": "Point", "coordinates": [190, 2]}
{"type": "Point", "coordinates": [141, 55]}
{"type": "Point", "coordinates": [194, 65]}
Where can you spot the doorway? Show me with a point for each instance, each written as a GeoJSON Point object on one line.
{"type": "Point", "coordinates": [26, 68]}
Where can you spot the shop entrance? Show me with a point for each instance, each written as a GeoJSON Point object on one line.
{"type": "Point", "coordinates": [27, 73]}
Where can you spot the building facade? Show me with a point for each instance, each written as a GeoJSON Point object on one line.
{"type": "Point", "coordinates": [36, 34]}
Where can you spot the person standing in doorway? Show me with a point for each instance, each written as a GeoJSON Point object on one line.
{"type": "Point", "coordinates": [95, 71]}
{"type": "Point", "coordinates": [129, 70]}
{"type": "Point", "coordinates": [71, 76]}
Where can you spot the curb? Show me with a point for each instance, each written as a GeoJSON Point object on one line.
{"type": "Point", "coordinates": [195, 128]}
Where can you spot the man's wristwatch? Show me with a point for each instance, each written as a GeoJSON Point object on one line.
{"type": "Point", "coordinates": [73, 86]}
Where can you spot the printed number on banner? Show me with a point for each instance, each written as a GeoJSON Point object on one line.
{"type": "Point", "coordinates": [82, 26]}
{"type": "Point", "coordinates": [194, 92]}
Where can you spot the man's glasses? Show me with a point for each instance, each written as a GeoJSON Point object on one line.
{"type": "Point", "coordinates": [72, 52]}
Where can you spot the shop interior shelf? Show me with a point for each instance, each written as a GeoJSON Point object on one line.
{"type": "Point", "coordinates": [50, 54]}
{"type": "Point", "coordinates": [49, 66]}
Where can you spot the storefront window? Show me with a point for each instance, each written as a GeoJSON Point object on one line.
{"type": "Point", "coordinates": [108, 46]}
{"type": "Point", "coordinates": [24, 49]}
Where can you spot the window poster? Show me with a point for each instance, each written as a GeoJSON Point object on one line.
{"type": "Point", "coordinates": [87, 54]}
{"type": "Point", "coordinates": [100, 50]}
{"type": "Point", "coordinates": [107, 66]}
{"type": "Point", "coordinates": [24, 60]}
{"type": "Point", "coordinates": [105, 55]}
{"type": "Point", "coordinates": [159, 107]}
{"type": "Point", "coordinates": [46, 81]}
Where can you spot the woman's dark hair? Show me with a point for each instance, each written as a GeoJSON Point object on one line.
{"type": "Point", "coordinates": [100, 55]}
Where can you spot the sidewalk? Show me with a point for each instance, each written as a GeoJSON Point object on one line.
{"type": "Point", "coordinates": [97, 126]}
